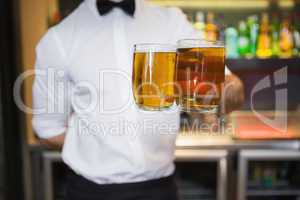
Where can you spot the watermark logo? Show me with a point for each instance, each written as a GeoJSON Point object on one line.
{"type": "Point", "coordinates": [55, 95]}
{"type": "Point", "coordinates": [280, 79]}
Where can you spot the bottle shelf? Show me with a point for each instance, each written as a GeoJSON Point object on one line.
{"type": "Point", "coordinates": [273, 192]}
{"type": "Point", "coordinates": [265, 174]}
{"type": "Point", "coordinates": [261, 64]}
{"type": "Point", "coordinates": [224, 4]}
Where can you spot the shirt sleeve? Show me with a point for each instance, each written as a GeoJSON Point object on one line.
{"type": "Point", "coordinates": [183, 29]}
{"type": "Point", "coordinates": [227, 71]}
{"type": "Point", "coordinates": [51, 88]}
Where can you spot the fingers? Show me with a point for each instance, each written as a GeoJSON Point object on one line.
{"type": "Point", "coordinates": [234, 94]}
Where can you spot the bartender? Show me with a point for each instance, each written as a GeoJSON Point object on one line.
{"type": "Point", "coordinates": [114, 151]}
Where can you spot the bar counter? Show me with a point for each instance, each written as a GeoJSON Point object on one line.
{"type": "Point", "coordinates": [231, 155]}
{"type": "Point", "coordinates": [228, 143]}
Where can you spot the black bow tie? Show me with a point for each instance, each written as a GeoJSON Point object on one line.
{"type": "Point", "coordinates": [105, 6]}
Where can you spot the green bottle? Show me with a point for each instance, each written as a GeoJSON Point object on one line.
{"type": "Point", "coordinates": [253, 27]}
{"type": "Point", "coordinates": [243, 40]}
{"type": "Point", "coordinates": [296, 34]}
{"type": "Point", "coordinates": [231, 37]}
{"type": "Point", "coordinates": [275, 28]}
{"type": "Point", "coordinates": [296, 37]}
{"type": "Point", "coordinates": [199, 24]}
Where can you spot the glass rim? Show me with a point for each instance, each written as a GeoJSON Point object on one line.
{"type": "Point", "coordinates": [198, 43]}
{"type": "Point", "coordinates": [154, 47]}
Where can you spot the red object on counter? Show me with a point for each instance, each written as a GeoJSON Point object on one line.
{"type": "Point", "coordinates": [249, 126]}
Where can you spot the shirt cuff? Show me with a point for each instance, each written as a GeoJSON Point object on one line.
{"type": "Point", "coordinates": [46, 129]}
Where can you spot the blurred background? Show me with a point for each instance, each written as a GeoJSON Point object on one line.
{"type": "Point", "coordinates": [251, 161]}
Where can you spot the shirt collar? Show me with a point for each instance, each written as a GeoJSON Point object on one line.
{"type": "Point", "coordinates": [139, 7]}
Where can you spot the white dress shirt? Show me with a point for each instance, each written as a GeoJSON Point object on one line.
{"type": "Point", "coordinates": [86, 93]}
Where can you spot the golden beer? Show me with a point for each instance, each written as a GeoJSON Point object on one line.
{"type": "Point", "coordinates": [153, 77]}
{"type": "Point", "coordinates": [200, 72]}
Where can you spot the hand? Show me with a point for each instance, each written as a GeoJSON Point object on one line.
{"type": "Point", "coordinates": [233, 93]}
{"type": "Point", "coordinates": [54, 142]}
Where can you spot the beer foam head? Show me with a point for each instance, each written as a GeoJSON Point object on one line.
{"type": "Point", "coordinates": [199, 43]}
{"type": "Point", "coordinates": [148, 47]}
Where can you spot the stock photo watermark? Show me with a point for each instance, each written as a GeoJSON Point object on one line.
{"type": "Point", "coordinates": [56, 94]}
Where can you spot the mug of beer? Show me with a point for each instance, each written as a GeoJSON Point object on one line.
{"type": "Point", "coordinates": [200, 72]}
{"type": "Point", "coordinates": [153, 76]}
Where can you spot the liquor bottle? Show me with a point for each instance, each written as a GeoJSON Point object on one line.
{"type": "Point", "coordinates": [54, 15]}
{"type": "Point", "coordinates": [264, 39]}
{"type": "Point", "coordinates": [286, 39]}
{"type": "Point", "coordinates": [199, 24]}
{"type": "Point", "coordinates": [231, 38]}
{"type": "Point", "coordinates": [296, 34]}
{"type": "Point", "coordinates": [296, 38]}
{"type": "Point", "coordinates": [275, 26]}
{"type": "Point", "coordinates": [257, 173]}
{"type": "Point", "coordinates": [190, 18]}
{"type": "Point", "coordinates": [211, 29]}
{"type": "Point", "coordinates": [243, 40]}
{"type": "Point", "coordinates": [269, 176]}
{"type": "Point", "coordinates": [283, 173]}
{"type": "Point", "coordinates": [253, 27]}
{"type": "Point", "coordinates": [221, 26]}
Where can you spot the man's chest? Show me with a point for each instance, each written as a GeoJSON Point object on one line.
{"type": "Point", "coordinates": [112, 49]}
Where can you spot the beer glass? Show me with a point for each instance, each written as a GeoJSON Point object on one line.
{"type": "Point", "coordinates": [153, 76]}
{"type": "Point", "coordinates": [200, 72]}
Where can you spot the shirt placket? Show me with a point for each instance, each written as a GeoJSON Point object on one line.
{"type": "Point", "coordinates": [123, 62]}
